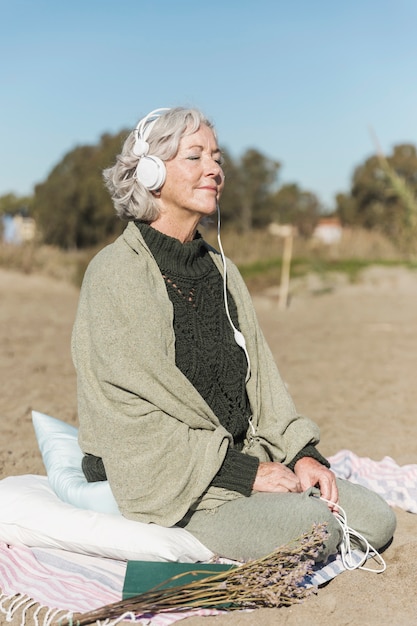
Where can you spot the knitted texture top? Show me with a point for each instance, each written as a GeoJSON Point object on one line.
{"type": "Point", "coordinates": [205, 349]}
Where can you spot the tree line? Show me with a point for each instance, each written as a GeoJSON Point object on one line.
{"type": "Point", "coordinates": [383, 196]}
{"type": "Point", "coordinates": [73, 209]}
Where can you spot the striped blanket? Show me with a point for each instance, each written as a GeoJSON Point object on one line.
{"type": "Point", "coordinates": [44, 584]}
{"type": "Point", "coordinates": [78, 583]}
{"type": "Point", "coordinates": [396, 484]}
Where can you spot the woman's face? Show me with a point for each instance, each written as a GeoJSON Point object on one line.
{"type": "Point", "coordinates": [195, 178]}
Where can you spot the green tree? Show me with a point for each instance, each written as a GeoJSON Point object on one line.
{"type": "Point", "coordinates": [346, 209]}
{"type": "Point", "coordinates": [292, 205]}
{"type": "Point", "coordinates": [11, 204]}
{"type": "Point", "coordinates": [383, 195]}
{"type": "Point", "coordinates": [257, 180]}
{"type": "Point", "coordinates": [72, 207]}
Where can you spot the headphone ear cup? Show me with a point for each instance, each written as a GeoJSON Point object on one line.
{"type": "Point", "coordinates": [151, 172]}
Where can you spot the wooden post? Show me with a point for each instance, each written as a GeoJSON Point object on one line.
{"type": "Point", "coordinates": [285, 270]}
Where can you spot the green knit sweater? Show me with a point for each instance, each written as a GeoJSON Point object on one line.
{"type": "Point", "coordinates": [161, 443]}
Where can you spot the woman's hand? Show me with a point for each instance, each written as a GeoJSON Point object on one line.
{"type": "Point", "coordinates": [276, 478]}
{"type": "Point", "coordinates": [311, 473]}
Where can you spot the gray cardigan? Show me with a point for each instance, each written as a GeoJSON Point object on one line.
{"type": "Point", "coordinates": [160, 442]}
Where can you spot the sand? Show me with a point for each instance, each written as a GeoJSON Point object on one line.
{"type": "Point", "coordinates": [348, 356]}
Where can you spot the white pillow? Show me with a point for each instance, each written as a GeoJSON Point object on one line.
{"type": "Point", "coordinates": [62, 456]}
{"type": "Point", "coordinates": [32, 515]}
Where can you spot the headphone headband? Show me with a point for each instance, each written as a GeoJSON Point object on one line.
{"type": "Point", "coordinates": [145, 125]}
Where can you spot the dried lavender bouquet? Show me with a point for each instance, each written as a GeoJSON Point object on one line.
{"type": "Point", "coordinates": [271, 581]}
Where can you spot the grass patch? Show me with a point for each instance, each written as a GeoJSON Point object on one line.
{"type": "Point", "coordinates": [257, 254]}
{"type": "Point", "coordinates": [265, 274]}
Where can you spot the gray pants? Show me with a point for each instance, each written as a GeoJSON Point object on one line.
{"type": "Point", "coordinates": [249, 528]}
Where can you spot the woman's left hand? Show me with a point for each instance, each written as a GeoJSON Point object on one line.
{"type": "Point", "coordinates": [311, 473]}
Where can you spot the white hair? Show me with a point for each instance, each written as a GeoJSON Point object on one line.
{"type": "Point", "coordinates": [131, 199]}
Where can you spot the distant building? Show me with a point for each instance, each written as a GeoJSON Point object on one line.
{"type": "Point", "coordinates": [282, 230]}
{"type": "Point", "coordinates": [329, 230]}
{"type": "Point", "coordinates": [18, 229]}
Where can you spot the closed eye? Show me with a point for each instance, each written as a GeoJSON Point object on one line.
{"type": "Point", "coordinates": [195, 157]}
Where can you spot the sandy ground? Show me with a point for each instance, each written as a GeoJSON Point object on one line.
{"type": "Point", "coordinates": [349, 358]}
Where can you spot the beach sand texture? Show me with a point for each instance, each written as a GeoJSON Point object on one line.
{"type": "Point", "coordinates": [349, 358]}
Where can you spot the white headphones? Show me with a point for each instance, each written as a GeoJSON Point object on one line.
{"type": "Point", "coordinates": [150, 170]}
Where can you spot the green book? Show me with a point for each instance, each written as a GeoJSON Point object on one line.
{"type": "Point", "coordinates": [142, 576]}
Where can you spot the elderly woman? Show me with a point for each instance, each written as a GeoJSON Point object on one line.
{"type": "Point", "coordinates": [181, 406]}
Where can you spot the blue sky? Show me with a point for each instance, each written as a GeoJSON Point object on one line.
{"type": "Point", "coordinates": [300, 80]}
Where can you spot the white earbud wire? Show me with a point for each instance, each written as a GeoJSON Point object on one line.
{"type": "Point", "coordinates": [346, 552]}
{"type": "Point", "coordinates": [239, 338]}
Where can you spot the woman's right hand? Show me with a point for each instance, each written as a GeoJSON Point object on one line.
{"type": "Point", "coordinates": [276, 478]}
